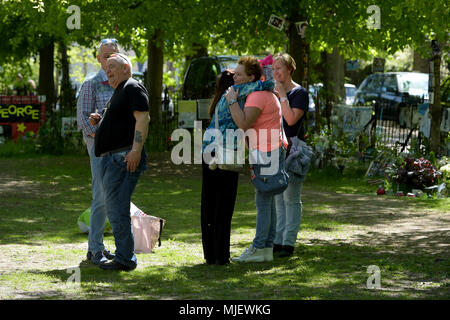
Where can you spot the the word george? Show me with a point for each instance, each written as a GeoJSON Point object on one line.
{"type": "Point", "coordinates": [17, 112]}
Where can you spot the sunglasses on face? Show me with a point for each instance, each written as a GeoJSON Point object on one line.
{"type": "Point", "coordinates": [109, 40]}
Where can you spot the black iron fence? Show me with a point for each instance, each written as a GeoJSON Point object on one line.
{"type": "Point", "coordinates": [395, 125]}
{"type": "Point", "coordinates": [159, 133]}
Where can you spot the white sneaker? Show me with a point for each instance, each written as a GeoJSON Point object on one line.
{"type": "Point", "coordinates": [268, 254]}
{"type": "Point", "coordinates": [251, 254]}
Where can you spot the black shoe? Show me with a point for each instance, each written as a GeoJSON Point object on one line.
{"type": "Point", "coordinates": [106, 253]}
{"type": "Point", "coordinates": [221, 262]}
{"type": "Point", "coordinates": [287, 251]}
{"type": "Point", "coordinates": [277, 248]}
{"type": "Point", "coordinates": [114, 265]}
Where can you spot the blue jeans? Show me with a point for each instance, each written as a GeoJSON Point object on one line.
{"type": "Point", "coordinates": [266, 218]}
{"type": "Point", "coordinates": [289, 211]}
{"type": "Point", "coordinates": [118, 186]}
{"type": "Point", "coordinates": [98, 209]}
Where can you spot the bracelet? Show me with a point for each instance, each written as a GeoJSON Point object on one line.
{"type": "Point", "coordinates": [231, 102]}
{"type": "Point", "coordinates": [284, 99]}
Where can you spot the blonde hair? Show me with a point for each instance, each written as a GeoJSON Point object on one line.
{"type": "Point", "coordinates": [287, 60]}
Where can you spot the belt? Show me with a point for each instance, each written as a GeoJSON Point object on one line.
{"type": "Point", "coordinates": [109, 153]}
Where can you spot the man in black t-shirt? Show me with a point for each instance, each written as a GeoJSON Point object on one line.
{"type": "Point", "coordinates": [119, 140]}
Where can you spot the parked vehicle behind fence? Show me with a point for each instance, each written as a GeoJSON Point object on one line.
{"type": "Point", "coordinates": [392, 90]}
{"type": "Point", "coordinates": [199, 86]}
{"type": "Point", "coordinates": [200, 77]}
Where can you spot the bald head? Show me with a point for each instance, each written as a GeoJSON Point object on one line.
{"type": "Point", "coordinates": [118, 69]}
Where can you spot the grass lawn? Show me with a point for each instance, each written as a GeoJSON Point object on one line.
{"type": "Point", "coordinates": [345, 228]}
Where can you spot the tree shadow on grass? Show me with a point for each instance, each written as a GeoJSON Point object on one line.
{"type": "Point", "coordinates": [323, 271]}
{"type": "Point", "coordinates": [48, 208]}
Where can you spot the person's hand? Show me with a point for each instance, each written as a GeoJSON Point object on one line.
{"type": "Point", "coordinates": [231, 94]}
{"type": "Point", "coordinates": [133, 158]}
{"type": "Point", "coordinates": [94, 118]}
{"type": "Point", "coordinates": [279, 89]}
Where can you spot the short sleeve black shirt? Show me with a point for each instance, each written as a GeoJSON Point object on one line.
{"type": "Point", "coordinates": [117, 126]}
{"type": "Point", "coordinates": [298, 98]}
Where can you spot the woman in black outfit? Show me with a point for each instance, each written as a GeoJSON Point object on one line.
{"type": "Point", "coordinates": [219, 189]}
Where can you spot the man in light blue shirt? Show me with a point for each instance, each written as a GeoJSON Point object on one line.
{"type": "Point", "coordinates": [94, 94]}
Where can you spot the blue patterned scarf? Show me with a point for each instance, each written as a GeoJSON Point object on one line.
{"type": "Point", "coordinates": [223, 110]}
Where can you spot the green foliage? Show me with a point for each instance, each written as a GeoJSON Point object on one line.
{"type": "Point", "coordinates": [223, 26]}
{"type": "Point", "coordinates": [49, 139]}
{"type": "Point", "coordinates": [339, 149]}
{"type": "Point", "coordinates": [80, 56]}
{"type": "Point", "coordinates": [443, 165]}
{"type": "Point", "coordinates": [28, 68]}
{"type": "Point", "coordinates": [24, 146]}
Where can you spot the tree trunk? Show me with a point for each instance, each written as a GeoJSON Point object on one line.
{"type": "Point", "coordinates": [46, 76]}
{"type": "Point", "coordinates": [298, 49]}
{"type": "Point", "coordinates": [67, 94]}
{"type": "Point", "coordinates": [336, 75]}
{"type": "Point", "coordinates": [420, 64]}
{"type": "Point", "coordinates": [333, 80]}
{"type": "Point", "coordinates": [436, 108]}
{"type": "Point", "coordinates": [155, 75]}
{"type": "Point", "coordinates": [326, 88]}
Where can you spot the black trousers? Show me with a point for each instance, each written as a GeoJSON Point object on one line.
{"type": "Point", "coordinates": [219, 189]}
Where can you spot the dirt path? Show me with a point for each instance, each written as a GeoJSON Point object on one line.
{"type": "Point", "coordinates": [387, 222]}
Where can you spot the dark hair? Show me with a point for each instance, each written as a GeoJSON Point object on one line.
{"type": "Point", "coordinates": [224, 81]}
{"type": "Point", "coordinates": [252, 67]}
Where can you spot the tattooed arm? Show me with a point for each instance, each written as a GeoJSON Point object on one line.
{"type": "Point", "coordinates": [140, 134]}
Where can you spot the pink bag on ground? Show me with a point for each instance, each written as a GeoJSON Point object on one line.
{"type": "Point", "coordinates": [146, 230]}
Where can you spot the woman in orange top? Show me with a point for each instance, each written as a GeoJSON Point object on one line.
{"type": "Point", "coordinates": [262, 114]}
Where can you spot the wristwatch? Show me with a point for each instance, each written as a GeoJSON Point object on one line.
{"type": "Point", "coordinates": [231, 101]}
{"type": "Point", "coordinates": [283, 99]}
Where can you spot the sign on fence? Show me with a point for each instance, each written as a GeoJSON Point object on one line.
{"type": "Point", "coordinates": [187, 113]}
{"type": "Point", "coordinates": [351, 119]}
{"type": "Point", "coordinates": [68, 125]}
{"type": "Point", "coordinates": [445, 124]}
{"type": "Point", "coordinates": [203, 108]}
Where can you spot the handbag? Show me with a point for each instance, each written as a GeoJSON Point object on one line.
{"type": "Point", "coordinates": [146, 230]}
{"type": "Point", "coordinates": [229, 159]}
{"type": "Point", "coordinates": [270, 184]}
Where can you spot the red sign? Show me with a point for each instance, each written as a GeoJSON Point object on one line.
{"type": "Point", "coordinates": [21, 114]}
